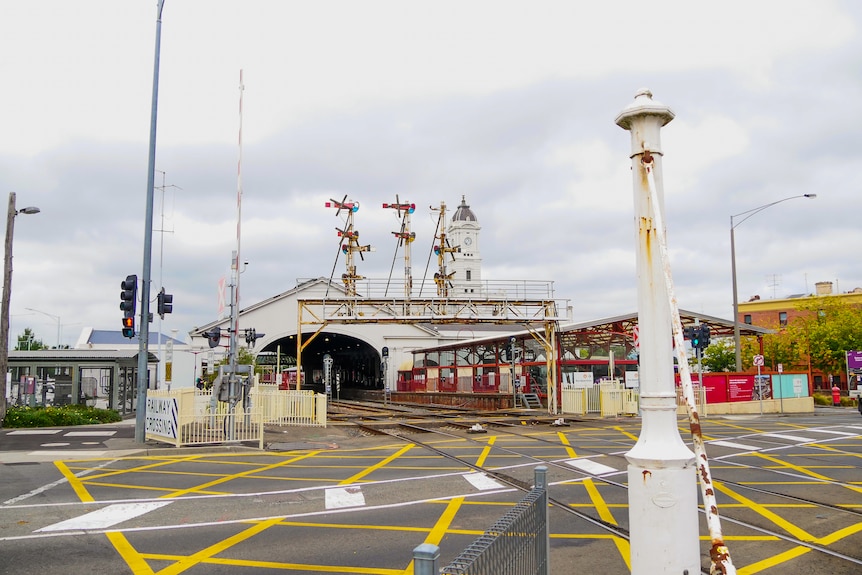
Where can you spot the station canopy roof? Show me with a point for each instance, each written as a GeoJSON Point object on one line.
{"type": "Point", "coordinates": [601, 332]}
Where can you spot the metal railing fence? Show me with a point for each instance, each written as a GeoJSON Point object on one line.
{"type": "Point", "coordinates": [517, 544]}
{"type": "Point", "coordinates": [187, 417]}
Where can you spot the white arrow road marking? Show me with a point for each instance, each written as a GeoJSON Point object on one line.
{"type": "Point", "coordinates": [105, 517]}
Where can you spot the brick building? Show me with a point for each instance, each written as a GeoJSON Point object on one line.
{"type": "Point", "coordinates": [774, 313]}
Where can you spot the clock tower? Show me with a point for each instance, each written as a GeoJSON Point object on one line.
{"type": "Point", "coordinates": [463, 231]}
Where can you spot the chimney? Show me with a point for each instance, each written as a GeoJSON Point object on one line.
{"type": "Point", "coordinates": [823, 288]}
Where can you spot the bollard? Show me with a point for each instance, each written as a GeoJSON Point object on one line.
{"type": "Point", "coordinates": [425, 559]}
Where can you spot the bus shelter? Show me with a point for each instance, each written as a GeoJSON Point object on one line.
{"type": "Point", "coordinates": [100, 378]}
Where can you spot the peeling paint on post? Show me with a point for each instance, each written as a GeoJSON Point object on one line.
{"type": "Point", "coordinates": [663, 516]}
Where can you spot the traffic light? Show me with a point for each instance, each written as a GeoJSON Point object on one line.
{"type": "Point", "coordinates": [252, 336]}
{"type": "Point", "coordinates": [213, 336]}
{"type": "Point", "coordinates": [129, 326]}
{"type": "Point", "coordinates": [165, 303]}
{"type": "Point", "coordinates": [128, 303]}
{"type": "Point", "coordinates": [129, 296]}
{"type": "Point", "coordinates": [704, 336]}
{"type": "Point", "coordinates": [695, 337]}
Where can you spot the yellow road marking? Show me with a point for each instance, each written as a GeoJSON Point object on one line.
{"type": "Point", "coordinates": [565, 441]}
{"type": "Point", "coordinates": [204, 554]}
{"type": "Point", "coordinates": [283, 566]}
{"type": "Point", "coordinates": [773, 561]}
{"type": "Point", "coordinates": [74, 482]}
{"type": "Point", "coordinates": [605, 514]}
{"type": "Point", "coordinates": [792, 529]}
{"type": "Point", "coordinates": [373, 468]}
{"type": "Point", "coordinates": [626, 433]}
{"type": "Point", "coordinates": [133, 559]}
{"type": "Point", "coordinates": [486, 450]}
{"type": "Point", "coordinates": [226, 478]}
{"type": "Point", "coordinates": [440, 528]}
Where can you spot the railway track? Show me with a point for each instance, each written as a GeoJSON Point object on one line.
{"type": "Point", "coordinates": [433, 425]}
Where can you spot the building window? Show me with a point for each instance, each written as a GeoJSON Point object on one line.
{"type": "Point", "coordinates": [747, 318]}
{"type": "Point", "coordinates": [782, 318]}
{"type": "Point", "coordinates": [469, 275]}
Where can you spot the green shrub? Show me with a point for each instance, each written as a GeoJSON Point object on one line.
{"type": "Point", "coordinates": [23, 416]}
{"type": "Point", "coordinates": [823, 399]}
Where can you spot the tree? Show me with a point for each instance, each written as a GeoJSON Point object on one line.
{"type": "Point", "coordinates": [828, 331]}
{"type": "Point", "coordinates": [720, 355]}
{"type": "Point", "coordinates": [27, 341]}
{"type": "Point", "coordinates": [243, 357]}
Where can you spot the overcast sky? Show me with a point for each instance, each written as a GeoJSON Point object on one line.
{"type": "Point", "coordinates": [509, 103]}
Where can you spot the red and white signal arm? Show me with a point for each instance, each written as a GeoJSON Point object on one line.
{"type": "Point", "coordinates": [758, 360]}
{"type": "Point", "coordinates": [636, 338]}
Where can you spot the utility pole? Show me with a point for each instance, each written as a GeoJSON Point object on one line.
{"type": "Point", "coordinates": [144, 332]}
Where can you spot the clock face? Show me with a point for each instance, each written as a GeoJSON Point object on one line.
{"type": "Point", "coordinates": [468, 241]}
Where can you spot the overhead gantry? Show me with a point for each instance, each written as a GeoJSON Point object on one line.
{"type": "Point", "coordinates": [540, 317]}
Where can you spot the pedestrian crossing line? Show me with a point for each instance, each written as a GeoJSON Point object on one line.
{"type": "Point", "coordinates": [789, 437]}
{"type": "Point", "coordinates": [482, 482]}
{"type": "Point", "coordinates": [90, 433]}
{"type": "Point", "coordinates": [105, 517]}
{"type": "Point", "coordinates": [341, 497]}
{"type": "Point", "coordinates": [733, 445]}
{"type": "Point", "coordinates": [34, 432]}
{"type": "Point", "coordinates": [590, 466]}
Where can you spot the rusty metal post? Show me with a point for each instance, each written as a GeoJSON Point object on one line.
{"type": "Point", "coordinates": [663, 518]}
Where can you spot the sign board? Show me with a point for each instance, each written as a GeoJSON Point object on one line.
{"type": "Point", "coordinates": [854, 360]}
{"type": "Point", "coordinates": [780, 368]}
{"type": "Point", "coordinates": [577, 380]}
{"type": "Point", "coordinates": [169, 350]}
{"type": "Point", "coordinates": [161, 417]}
{"type": "Point", "coordinates": [632, 379]}
{"type": "Point", "coordinates": [797, 386]}
{"type": "Point", "coordinates": [758, 361]}
{"type": "Point", "coordinates": [636, 336]}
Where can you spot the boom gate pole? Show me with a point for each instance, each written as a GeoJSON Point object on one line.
{"type": "Point", "coordinates": [663, 519]}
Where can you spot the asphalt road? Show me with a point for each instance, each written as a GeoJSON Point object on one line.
{"type": "Point", "coordinates": [89, 500]}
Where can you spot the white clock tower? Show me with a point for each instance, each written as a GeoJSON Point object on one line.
{"type": "Point", "coordinates": [464, 232]}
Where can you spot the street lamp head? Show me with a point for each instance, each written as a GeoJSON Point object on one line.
{"type": "Point", "coordinates": [810, 195]}
{"type": "Point", "coordinates": [29, 210]}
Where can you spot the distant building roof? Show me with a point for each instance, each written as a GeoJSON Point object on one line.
{"type": "Point", "coordinates": [81, 355]}
{"type": "Point", "coordinates": [112, 337]}
{"type": "Point", "coordinates": [464, 213]}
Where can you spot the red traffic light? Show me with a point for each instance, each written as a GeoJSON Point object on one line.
{"type": "Point", "coordinates": [128, 327]}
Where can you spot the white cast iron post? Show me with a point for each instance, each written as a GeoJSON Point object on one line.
{"type": "Point", "coordinates": [663, 520]}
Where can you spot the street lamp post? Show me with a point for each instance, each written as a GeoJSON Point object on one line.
{"type": "Point", "coordinates": [7, 292]}
{"type": "Point", "coordinates": [56, 317]}
{"type": "Point", "coordinates": [747, 214]}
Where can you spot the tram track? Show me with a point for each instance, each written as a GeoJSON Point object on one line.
{"type": "Point", "coordinates": [509, 428]}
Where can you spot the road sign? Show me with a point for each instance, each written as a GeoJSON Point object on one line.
{"type": "Point", "coordinates": [758, 360]}
{"type": "Point", "coordinates": [636, 337]}
{"type": "Point", "coordinates": [780, 368]}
